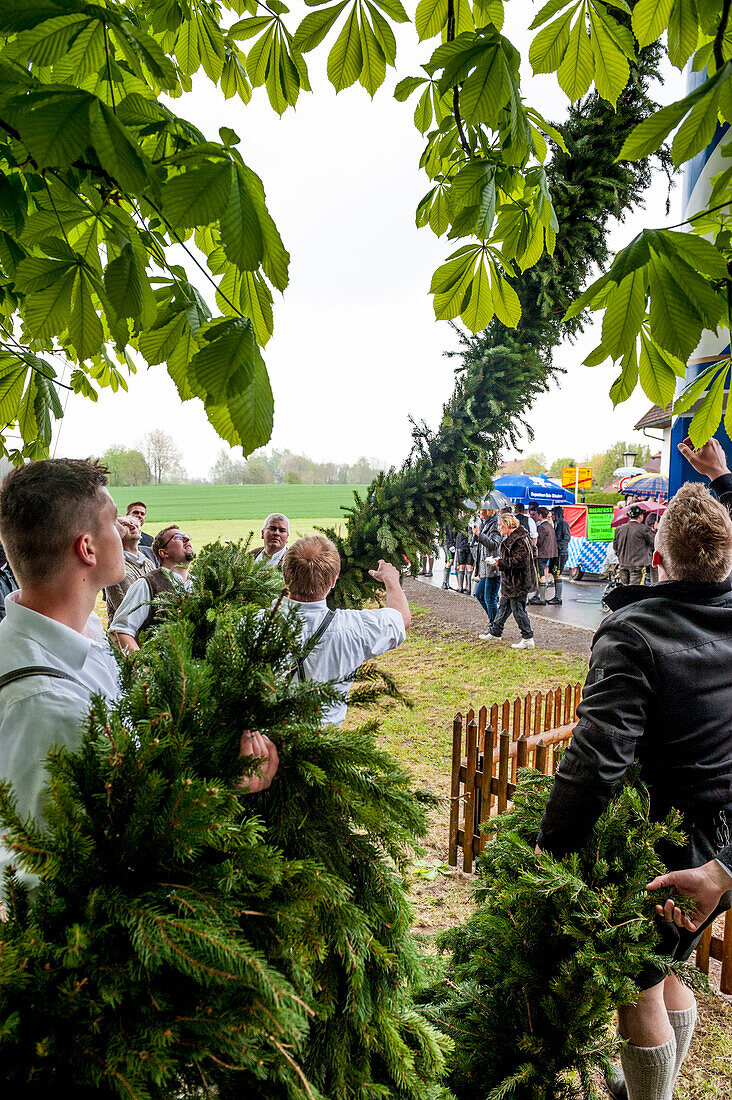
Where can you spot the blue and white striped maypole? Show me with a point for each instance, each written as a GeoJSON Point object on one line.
{"type": "Point", "coordinates": [713, 347]}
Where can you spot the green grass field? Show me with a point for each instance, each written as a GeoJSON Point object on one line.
{"type": "Point", "coordinates": [202, 531]}
{"type": "Point", "coordinates": [213, 503]}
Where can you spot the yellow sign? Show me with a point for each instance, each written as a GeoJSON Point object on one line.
{"type": "Point", "coordinates": [577, 478]}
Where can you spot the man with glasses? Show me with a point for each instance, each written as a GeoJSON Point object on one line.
{"type": "Point", "coordinates": [137, 611]}
{"type": "Point", "coordinates": [275, 533]}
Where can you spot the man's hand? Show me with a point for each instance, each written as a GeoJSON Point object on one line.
{"type": "Point", "coordinates": [395, 598]}
{"type": "Point", "coordinates": [258, 745]}
{"type": "Point", "coordinates": [386, 573]}
{"type": "Point", "coordinates": [704, 884]}
{"type": "Point", "coordinates": [709, 460]}
{"type": "Point", "coordinates": [126, 525]}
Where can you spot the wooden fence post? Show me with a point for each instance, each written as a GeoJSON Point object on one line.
{"type": "Point", "coordinates": [516, 733]}
{"type": "Point", "coordinates": [702, 951]}
{"type": "Point", "coordinates": [503, 767]}
{"type": "Point", "coordinates": [469, 825]}
{"type": "Point", "coordinates": [457, 752]}
{"type": "Point", "coordinates": [541, 758]}
{"type": "Point", "coordinates": [725, 983]}
{"type": "Point", "coordinates": [488, 765]}
{"type": "Point", "coordinates": [522, 753]}
{"type": "Point", "coordinates": [537, 713]}
{"type": "Point", "coordinates": [482, 720]}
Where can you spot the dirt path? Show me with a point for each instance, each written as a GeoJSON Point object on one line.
{"type": "Point", "coordinates": [458, 617]}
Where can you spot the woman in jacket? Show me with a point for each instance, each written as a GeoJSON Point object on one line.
{"type": "Point", "coordinates": [488, 539]}
{"type": "Point", "coordinates": [518, 578]}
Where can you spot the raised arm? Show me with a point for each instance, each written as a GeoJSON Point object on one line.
{"type": "Point", "coordinates": [389, 576]}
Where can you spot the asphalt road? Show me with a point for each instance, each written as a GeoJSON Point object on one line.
{"type": "Point", "coordinates": [580, 607]}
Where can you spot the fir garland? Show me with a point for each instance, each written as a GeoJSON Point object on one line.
{"type": "Point", "coordinates": [502, 370]}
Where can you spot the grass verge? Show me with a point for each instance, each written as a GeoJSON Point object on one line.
{"type": "Point", "coordinates": [442, 678]}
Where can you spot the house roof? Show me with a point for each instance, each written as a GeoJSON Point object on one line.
{"type": "Point", "coordinates": [656, 417]}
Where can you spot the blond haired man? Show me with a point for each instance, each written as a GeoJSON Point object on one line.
{"type": "Point", "coordinates": [346, 639]}
{"type": "Point", "coordinates": [658, 692]}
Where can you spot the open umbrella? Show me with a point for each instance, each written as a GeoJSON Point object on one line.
{"type": "Point", "coordinates": [652, 485]}
{"type": "Point", "coordinates": [495, 500]}
{"type": "Point", "coordinates": [628, 471]}
{"type": "Point", "coordinates": [647, 506]}
{"type": "Point", "coordinates": [524, 488]}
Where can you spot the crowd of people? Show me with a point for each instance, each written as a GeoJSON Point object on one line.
{"type": "Point", "coordinates": [66, 544]}
{"type": "Point", "coordinates": [507, 558]}
{"type": "Point", "coordinates": [657, 691]}
{"type": "Point", "coordinates": [497, 569]}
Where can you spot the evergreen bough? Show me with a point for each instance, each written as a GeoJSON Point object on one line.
{"type": "Point", "coordinates": [185, 938]}
{"type": "Point", "coordinates": [553, 948]}
{"type": "Point", "coordinates": [502, 371]}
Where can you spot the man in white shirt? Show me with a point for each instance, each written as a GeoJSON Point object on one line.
{"type": "Point", "coordinates": [311, 568]}
{"type": "Point", "coordinates": [136, 612]}
{"type": "Point", "coordinates": [275, 533]}
{"type": "Point", "coordinates": [58, 525]}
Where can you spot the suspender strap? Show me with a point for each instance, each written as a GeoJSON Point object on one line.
{"type": "Point", "coordinates": [39, 670]}
{"type": "Point", "coordinates": [312, 642]}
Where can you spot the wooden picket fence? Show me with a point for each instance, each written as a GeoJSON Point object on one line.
{"type": "Point", "coordinates": [495, 744]}
{"type": "Point", "coordinates": [488, 746]}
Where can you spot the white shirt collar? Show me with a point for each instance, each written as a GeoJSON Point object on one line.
{"type": "Point", "coordinates": [275, 558]}
{"type": "Point", "coordinates": [51, 634]}
{"type": "Point", "coordinates": [311, 605]}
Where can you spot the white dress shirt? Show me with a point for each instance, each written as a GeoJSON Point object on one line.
{"type": "Point", "coordinates": [40, 711]}
{"type": "Point", "coordinates": [274, 559]}
{"type": "Point", "coordinates": [352, 638]}
{"type": "Point", "coordinates": [135, 606]}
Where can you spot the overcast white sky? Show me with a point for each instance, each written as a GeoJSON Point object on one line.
{"type": "Point", "coordinates": [356, 348]}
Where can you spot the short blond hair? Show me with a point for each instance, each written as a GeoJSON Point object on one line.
{"type": "Point", "coordinates": [694, 536]}
{"type": "Point", "coordinates": [310, 568]}
{"type": "Point", "coordinates": [508, 522]}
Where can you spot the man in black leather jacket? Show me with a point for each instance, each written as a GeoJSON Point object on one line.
{"type": "Point", "coordinates": [658, 691]}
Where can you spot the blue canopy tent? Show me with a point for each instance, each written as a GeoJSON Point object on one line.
{"type": "Point", "coordinates": [521, 488]}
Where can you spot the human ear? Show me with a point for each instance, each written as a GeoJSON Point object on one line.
{"type": "Point", "coordinates": [84, 549]}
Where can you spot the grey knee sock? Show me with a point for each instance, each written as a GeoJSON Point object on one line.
{"type": "Point", "coordinates": [649, 1071]}
{"type": "Point", "coordinates": [683, 1021]}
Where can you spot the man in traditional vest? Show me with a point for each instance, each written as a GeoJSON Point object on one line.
{"type": "Point", "coordinates": [137, 611]}
{"type": "Point", "coordinates": [138, 510]}
{"type": "Point", "coordinates": [137, 564]}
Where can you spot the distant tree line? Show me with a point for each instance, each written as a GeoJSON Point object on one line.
{"type": "Point", "coordinates": [156, 460]}
{"type": "Point", "coordinates": [285, 468]}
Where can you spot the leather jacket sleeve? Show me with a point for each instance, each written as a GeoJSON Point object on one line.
{"type": "Point", "coordinates": [612, 718]}
{"type": "Point", "coordinates": [491, 539]}
{"type": "Point", "coordinates": [722, 486]}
